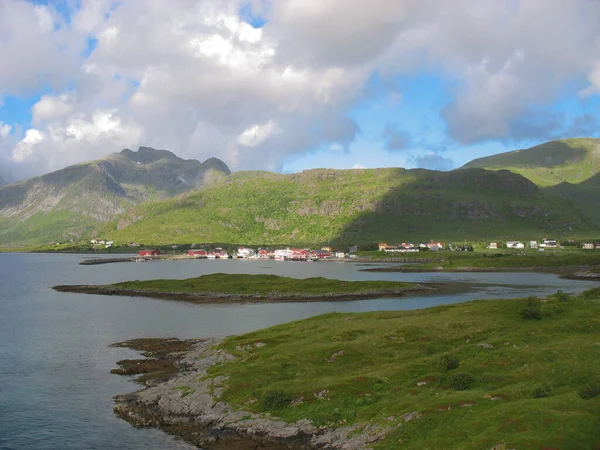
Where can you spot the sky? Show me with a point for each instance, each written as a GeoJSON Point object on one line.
{"type": "Point", "coordinates": [289, 85]}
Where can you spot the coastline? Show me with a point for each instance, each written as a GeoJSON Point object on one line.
{"type": "Point", "coordinates": [566, 272]}
{"type": "Point", "coordinates": [220, 298]}
{"type": "Point", "coordinates": [179, 399]}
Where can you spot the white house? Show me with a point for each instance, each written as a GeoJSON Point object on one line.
{"type": "Point", "coordinates": [514, 244]}
{"type": "Point", "coordinates": [109, 244]}
{"type": "Point", "coordinates": [244, 252]}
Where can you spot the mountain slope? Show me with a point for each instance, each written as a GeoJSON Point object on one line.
{"type": "Point", "coordinates": [567, 160]}
{"type": "Point", "coordinates": [69, 202]}
{"type": "Point", "coordinates": [353, 206]}
{"type": "Point", "coordinates": [568, 169]}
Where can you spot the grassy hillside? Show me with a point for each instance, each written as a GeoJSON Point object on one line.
{"type": "Point", "coordinates": [568, 160]}
{"type": "Point", "coordinates": [353, 206]}
{"type": "Point", "coordinates": [523, 373]}
{"type": "Point", "coordinates": [68, 204]}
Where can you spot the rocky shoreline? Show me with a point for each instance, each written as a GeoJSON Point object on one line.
{"type": "Point", "coordinates": [180, 399]}
{"type": "Point", "coordinates": [215, 297]}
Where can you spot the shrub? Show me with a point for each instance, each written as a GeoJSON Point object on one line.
{"type": "Point", "coordinates": [533, 309]}
{"type": "Point", "coordinates": [275, 399]}
{"type": "Point", "coordinates": [447, 363]}
{"type": "Point", "coordinates": [591, 390]}
{"type": "Point", "coordinates": [461, 381]}
{"type": "Point", "coordinates": [541, 391]}
{"type": "Point", "coordinates": [561, 296]}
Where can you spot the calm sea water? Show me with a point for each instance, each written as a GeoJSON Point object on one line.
{"type": "Point", "coordinates": [55, 387]}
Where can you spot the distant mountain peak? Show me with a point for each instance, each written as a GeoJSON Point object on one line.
{"type": "Point", "coordinates": [146, 155]}
{"type": "Point", "coordinates": [216, 163]}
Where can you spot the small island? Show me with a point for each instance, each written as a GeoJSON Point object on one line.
{"type": "Point", "coordinates": [243, 288]}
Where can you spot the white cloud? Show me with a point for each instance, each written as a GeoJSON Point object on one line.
{"type": "Point", "coordinates": [257, 134]}
{"type": "Point", "coordinates": [193, 77]}
{"type": "Point", "coordinates": [25, 148]}
{"type": "Point", "coordinates": [358, 166]}
{"type": "Point", "coordinates": [5, 129]}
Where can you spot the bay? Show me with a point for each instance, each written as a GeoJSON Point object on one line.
{"type": "Point", "coordinates": [55, 387]}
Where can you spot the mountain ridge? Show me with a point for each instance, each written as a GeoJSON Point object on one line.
{"type": "Point", "coordinates": [74, 198]}
{"type": "Point", "coordinates": [153, 196]}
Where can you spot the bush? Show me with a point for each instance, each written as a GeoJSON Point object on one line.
{"type": "Point", "coordinates": [446, 363]}
{"type": "Point", "coordinates": [275, 399]}
{"type": "Point", "coordinates": [541, 391]}
{"type": "Point", "coordinates": [590, 390]}
{"type": "Point", "coordinates": [561, 296]}
{"type": "Point", "coordinates": [461, 381]}
{"type": "Point", "coordinates": [533, 309]}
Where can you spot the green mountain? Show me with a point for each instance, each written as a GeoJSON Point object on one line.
{"type": "Point", "coordinates": [568, 169]}
{"type": "Point", "coordinates": [353, 206]}
{"type": "Point", "coordinates": [563, 161]}
{"type": "Point", "coordinates": [69, 203]}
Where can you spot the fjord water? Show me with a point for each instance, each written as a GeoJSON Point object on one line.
{"type": "Point", "coordinates": [55, 386]}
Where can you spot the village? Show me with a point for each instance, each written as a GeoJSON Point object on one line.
{"type": "Point", "coordinates": [329, 253]}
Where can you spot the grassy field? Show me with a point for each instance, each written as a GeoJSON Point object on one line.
{"type": "Point", "coordinates": [523, 372]}
{"type": "Point", "coordinates": [260, 285]}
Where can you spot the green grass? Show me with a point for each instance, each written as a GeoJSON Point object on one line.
{"type": "Point", "coordinates": [260, 285]}
{"type": "Point", "coordinates": [525, 391]}
{"type": "Point", "coordinates": [511, 259]}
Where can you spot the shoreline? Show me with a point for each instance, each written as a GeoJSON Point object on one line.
{"type": "Point", "coordinates": [179, 399]}
{"type": "Point", "coordinates": [220, 298]}
{"type": "Point", "coordinates": [566, 272]}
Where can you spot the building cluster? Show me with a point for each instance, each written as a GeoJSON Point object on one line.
{"type": "Point", "coordinates": [545, 243]}
{"type": "Point", "coordinates": [410, 248]}
{"type": "Point", "coordinates": [287, 254]}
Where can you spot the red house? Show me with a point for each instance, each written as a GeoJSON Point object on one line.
{"type": "Point", "coordinates": [263, 253]}
{"type": "Point", "coordinates": [197, 253]}
{"type": "Point", "coordinates": [149, 252]}
{"type": "Point", "coordinates": [298, 255]}
{"type": "Point", "coordinates": [323, 254]}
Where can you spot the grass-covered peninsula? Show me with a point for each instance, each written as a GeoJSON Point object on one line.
{"type": "Point", "coordinates": [229, 288]}
{"type": "Point", "coordinates": [484, 374]}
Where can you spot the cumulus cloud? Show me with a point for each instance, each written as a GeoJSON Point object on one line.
{"type": "Point", "coordinates": [196, 78]}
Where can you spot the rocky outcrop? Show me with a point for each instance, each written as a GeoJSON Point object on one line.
{"type": "Point", "coordinates": [188, 405]}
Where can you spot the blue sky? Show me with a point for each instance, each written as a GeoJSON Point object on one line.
{"type": "Point", "coordinates": [293, 85]}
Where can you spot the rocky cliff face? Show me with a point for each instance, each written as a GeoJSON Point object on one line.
{"type": "Point", "coordinates": [79, 196]}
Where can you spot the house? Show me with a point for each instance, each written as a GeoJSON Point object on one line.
{"type": "Point", "coordinates": [533, 244]}
{"type": "Point", "coordinates": [297, 254]}
{"type": "Point", "coordinates": [435, 246]}
{"type": "Point", "coordinates": [198, 254]}
{"type": "Point", "coordinates": [514, 244]}
{"type": "Point", "coordinates": [313, 255]}
{"type": "Point", "coordinates": [549, 242]}
{"type": "Point", "coordinates": [93, 242]}
{"type": "Point", "coordinates": [588, 246]}
{"type": "Point", "coordinates": [109, 244]}
{"type": "Point", "coordinates": [145, 253]}
{"type": "Point", "coordinates": [220, 253]}
{"type": "Point", "coordinates": [493, 246]}
{"type": "Point", "coordinates": [281, 254]}
{"type": "Point", "coordinates": [353, 248]}
{"type": "Point", "coordinates": [383, 246]}
{"type": "Point", "coordinates": [340, 255]}
{"type": "Point", "coordinates": [322, 254]}
{"type": "Point", "coordinates": [327, 248]}
{"type": "Point", "coordinates": [244, 253]}
{"type": "Point", "coordinates": [263, 253]}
